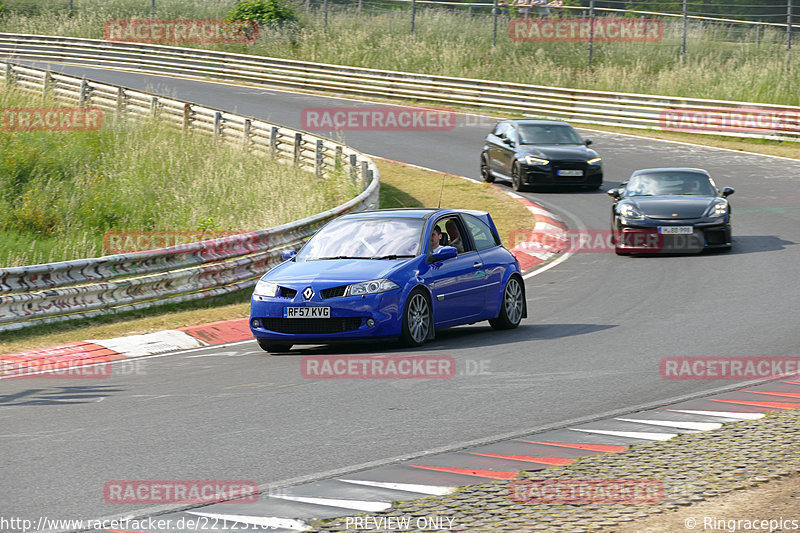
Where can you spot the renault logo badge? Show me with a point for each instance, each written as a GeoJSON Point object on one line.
{"type": "Point", "coordinates": [308, 293]}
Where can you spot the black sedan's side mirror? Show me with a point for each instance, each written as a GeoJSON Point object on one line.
{"type": "Point", "coordinates": [587, 142]}
{"type": "Point", "coordinates": [444, 253]}
{"type": "Point", "coordinates": [508, 141]}
{"type": "Point", "coordinates": [614, 193]}
{"type": "Point", "coordinates": [727, 191]}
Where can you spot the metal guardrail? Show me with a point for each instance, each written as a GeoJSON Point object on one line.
{"type": "Point", "coordinates": [46, 293]}
{"type": "Point", "coordinates": [718, 117]}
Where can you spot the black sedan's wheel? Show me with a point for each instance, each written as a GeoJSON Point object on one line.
{"type": "Point", "coordinates": [513, 304]}
{"type": "Point", "coordinates": [274, 347]}
{"type": "Point", "coordinates": [417, 319]}
{"type": "Point", "coordinates": [485, 174]}
{"type": "Point", "coordinates": [516, 178]}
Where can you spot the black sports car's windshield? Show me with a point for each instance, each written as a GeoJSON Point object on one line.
{"type": "Point", "coordinates": [547, 134]}
{"type": "Point", "coordinates": [670, 183]}
{"type": "Point", "coordinates": [365, 238]}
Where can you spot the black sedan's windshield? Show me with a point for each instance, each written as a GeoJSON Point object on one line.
{"type": "Point", "coordinates": [547, 134]}
{"type": "Point", "coordinates": [365, 238]}
{"type": "Point", "coordinates": [670, 183]}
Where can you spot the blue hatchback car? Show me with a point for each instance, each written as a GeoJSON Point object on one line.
{"type": "Point", "coordinates": [401, 273]}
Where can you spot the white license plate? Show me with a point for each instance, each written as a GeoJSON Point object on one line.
{"type": "Point", "coordinates": [570, 172]}
{"type": "Point", "coordinates": [306, 312]}
{"type": "Point", "coordinates": [675, 230]}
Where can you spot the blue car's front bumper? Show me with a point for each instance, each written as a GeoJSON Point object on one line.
{"type": "Point", "coordinates": [349, 316]}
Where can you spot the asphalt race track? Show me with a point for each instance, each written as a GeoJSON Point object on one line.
{"type": "Point", "coordinates": [597, 327]}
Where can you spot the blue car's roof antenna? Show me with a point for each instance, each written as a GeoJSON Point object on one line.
{"type": "Point", "coordinates": [439, 206]}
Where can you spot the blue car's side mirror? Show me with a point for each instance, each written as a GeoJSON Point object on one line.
{"type": "Point", "coordinates": [445, 252]}
{"type": "Point", "coordinates": [288, 254]}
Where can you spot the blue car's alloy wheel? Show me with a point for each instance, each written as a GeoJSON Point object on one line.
{"type": "Point", "coordinates": [512, 306]}
{"type": "Point", "coordinates": [417, 319]}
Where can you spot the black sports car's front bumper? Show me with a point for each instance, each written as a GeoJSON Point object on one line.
{"type": "Point", "coordinates": [644, 236]}
{"type": "Point", "coordinates": [572, 173]}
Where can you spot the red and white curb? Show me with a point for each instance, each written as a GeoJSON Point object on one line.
{"type": "Point", "coordinates": [536, 247]}
{"type": "Point", "coordinates": [68, 358]}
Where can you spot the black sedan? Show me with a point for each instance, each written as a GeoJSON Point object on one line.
{"type": "Point", "coordinates": [540, 152]}
{"type": "Point", "coordinates": [674, 210]}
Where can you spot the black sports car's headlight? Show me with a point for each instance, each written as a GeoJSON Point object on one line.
{"type": "Point", "coordinates": [717, 209]}
{"type": "Point", "coordinates": [536, 161]}
{"type": "Point", "coordinates": [630, 211]}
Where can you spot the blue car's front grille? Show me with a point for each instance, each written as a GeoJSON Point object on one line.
{"type": "Point", "coordinates": [333, 292]}
{"type": "Point", "coordinates": [310, 326]}
{"type": "Point", "coordinates": [286, 292]}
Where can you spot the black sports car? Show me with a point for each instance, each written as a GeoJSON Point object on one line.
{"type": "Point", "coordinates": [540, 152]}
{"type": "Point", "coordinates": [674, 210]}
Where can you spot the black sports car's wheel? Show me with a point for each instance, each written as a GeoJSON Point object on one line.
{"type": "Point", "coordinates": [513, 304]}
{"type": "Point", "coordinates": [417, 319]}
{"type": "Point", "coordinates": [516, 178]}
{"type": "Point", "coordinates": [485, 174]}
{"type": "Point", "coordinates": [274, 347]}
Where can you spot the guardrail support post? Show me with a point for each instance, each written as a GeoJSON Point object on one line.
{"type": "Point", "coordinates": [337, 164]}
{"type": "Point", "coordinates": [273, 141]}
{"type": "Point", "coordinates": [10, 77]}
{"type": "Point", "coordinates": [364, 171]}
{"type": "Point", "coordinates": [154, 107]}
{"type": "Point", "coordinates": [83, 96]}
{"type": "Point", "coordinates": [217, 125]}
{"type": "Point", "coordinates": [248, 125]}
{"type": "Point", "coordinates": [354, 168]}
{"type": "Point", "coordinates": [120, 100]}
{"type": "Point", "coordinates": [298, 147]}
{"type": "Point", "coordinates": [320, 158]}
{"type": "Point", "coordinates": [187, 117]}
{"type": "Point", "coordinates": [48, 80]}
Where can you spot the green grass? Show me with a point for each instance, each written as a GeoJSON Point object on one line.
{"type": "Point", "coordinates": [60, 192]}
{"type": "Point", "coordinates": [728, 63]}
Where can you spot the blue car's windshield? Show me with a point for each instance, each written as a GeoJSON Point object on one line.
{"type": "Point", "coordinates": [368, 238]}
{"type": "Point", "coordinates": [548, 134]}
{"type": "Point", "coordinates": [670, 183]}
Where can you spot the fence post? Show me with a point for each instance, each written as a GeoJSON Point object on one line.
{"type": "Point", "coordinates": [319, 159]}
{"type": "Point", "coordinates": [70, 9]}
{"type": "Point", "coordinates": [685, 27]}
{"type": "Point", "coordinates": [187, 117]}
{"type": "Point", "coordinates": [298, 147]}
{"type": "Point", "coordinates": [152, 9]}
{"type": "Point", "coordinates": [360, 6]}
{"type": "Point", "coordinates": [337, 164]}
{"type": "Point", "coordinates": [494, 23]}
{"type": "Point", "coordinates": [217, 125]}
{"type": "Point", "coordinates": [789, 26]}
{"type": "Point", "coordinates": [273, 141]}
{"type": "Point", "coordinates": [325, 17]}
{"type": "Point", "coordinates": [413, 14]}
{"type": "Point", "coordinates": [591, 30]}
{"type": "Point", "coordinates": [248, 125]}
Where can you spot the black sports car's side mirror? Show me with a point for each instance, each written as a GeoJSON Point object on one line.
{"type": "Point", "coordinates": [587, 142]}
{"type": "Point", "coordinates": [727, 191]}
{"type": "Point", "coordinates": [614, 193]}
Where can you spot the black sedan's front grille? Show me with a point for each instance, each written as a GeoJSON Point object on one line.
{"type": "Point", "coordinates": [333, 292]}
{"type": "Point", "coordinates": [310, 326]}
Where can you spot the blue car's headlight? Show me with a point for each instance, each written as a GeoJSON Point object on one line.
{"type": "Point", "coordinates": [630, 211]}
{"type": "Point", "coordinates": [265, 288]}
{"type": "Point", "coordinates": [371, 287]}
{"type": "Point", "coordinates": [717, 209]}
